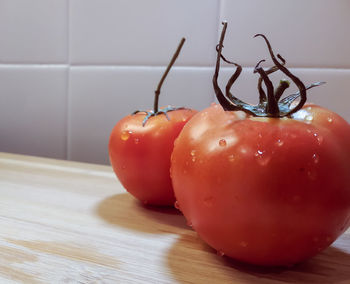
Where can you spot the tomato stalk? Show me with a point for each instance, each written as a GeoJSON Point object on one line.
{"type": "Point", "coordinates": [270, 104]}
{"type": "Point", "coordinates": [156, 110]}
{"type": "Point", "coordinates": [171, 63]}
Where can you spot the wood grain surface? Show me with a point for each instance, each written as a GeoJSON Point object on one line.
{"type": "Point", "coordinates": [68, 222]}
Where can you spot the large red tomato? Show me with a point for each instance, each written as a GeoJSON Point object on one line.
{"type": "Point", "coordinates": [264, 190]}
{"type": "Point", "coordinates": [140, 146]}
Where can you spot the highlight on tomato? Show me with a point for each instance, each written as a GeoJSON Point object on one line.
{"type": "Point", "coordinates": [140, 147]}
{"type": "Point", "coordinates": [265, 184]}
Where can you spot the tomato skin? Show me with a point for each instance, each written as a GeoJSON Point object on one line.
{"type": "Point", "coordinates": [267, 191]}
{"type": "Point", "coordinates": [140, 155]}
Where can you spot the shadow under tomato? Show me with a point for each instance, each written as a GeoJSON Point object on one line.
{"type": "Point", "coordinates": [126, 211]}
{"type": "Point", "coordinates": [192, 261]}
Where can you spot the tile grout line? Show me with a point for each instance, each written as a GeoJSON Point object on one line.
{"type": "Point", "coordinates": [67, 116]}
{"type": "Point", "coordinates": [69, 66]}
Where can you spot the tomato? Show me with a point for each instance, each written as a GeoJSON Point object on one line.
{"type": "Point", "coordinates": [140, 155]}
{"type": "Point", "coordinates": [267, 190]}
{"type": "Point", "coordinates": [140, 146]}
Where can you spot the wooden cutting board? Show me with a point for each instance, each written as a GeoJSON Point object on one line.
{"type": "Point", "coordinates": [68, 222]}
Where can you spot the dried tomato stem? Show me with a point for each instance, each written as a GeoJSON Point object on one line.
{"type": "Point", "coordinates": [284, 84]}
{"type": "Point", "coordinates": [157, 91]}
{"type": "Point", "coordinates": [296, 80]}
{"type": "Point", "coordinates": [272, 108]}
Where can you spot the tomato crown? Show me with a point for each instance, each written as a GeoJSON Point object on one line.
{"type": "Point", "coordinates": [270, 104]}
{"type": "Point", "coordinates": [156, 110]}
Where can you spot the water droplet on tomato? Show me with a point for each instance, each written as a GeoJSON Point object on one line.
{"type": "Point", "coordinates": [330, 120]}
{"type": "Point", "coordinates": [262, 158]}
{"type": "Point", "coordinates": [189, 223]}
{"type": "Point", "coordinates": [208, 201]}
{"type": "Point", "coordinates": [177, 205]}
{"type": "Point", "coordinates": [231, 158]}
{"type": "Point", "coordinates": [220, 253]}
{"type": "Point", "coordinates": [222, 142]}
{"type": "Point", "coordinates": [243, 244]}
{"type": "Point", "coordinates": [309, 118]}
{"type": "Point", "coordinates": [279, 143]}
{"type": "Point", "coordinates": [136, 140]}
{"type": "Point", "coordinates": [240, 114]}
{"type": "Point", "coordinates": [193, 159]}
{"type": "Point", "coordinates": [315, 158]}
{"type": "Point", "coordinates": [193, 153]}
{"type": "Point", "coordinates": [125, 135]}
{"type": "Point", "coordinates": [319, 138]}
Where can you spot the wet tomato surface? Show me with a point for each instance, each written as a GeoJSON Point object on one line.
{"type": "Point", "coordinates": [264, 190]}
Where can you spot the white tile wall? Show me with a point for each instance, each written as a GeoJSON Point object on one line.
{"type": "Point", "coordinates": [70, 69]}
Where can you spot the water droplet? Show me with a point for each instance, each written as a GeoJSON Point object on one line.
{"type": "Point", "coordinates": [177, 205]}
{"type": "Point", "coordinates": [193, 153]}
{"type": "Point", "coordinates": [189, 223]}
{"type": "Point", "coordinates": [240, 114]}
{"type": "Point", "coordinates": [279, 143]}
{"type": "Point", "coordinates": [330, 120]}
{"type": "Point", "coordinates": [220, 253]}
{"type": "Point", "coordinates": [309, 118]}
{"type": "Point", "coordinates": [308, 108]}
{"type": "Point", "coordinates": [315, 158]}
{"type": "Point", "coordinates": [262, 158]}
{"type": "Point", "coordinates": [260, 135]}
{"type": "Point", "coordinates": [243, 244]}
{"type": "Point", "coordinates": [231, 158]}
{"type": "Point", "coordinates": [222, 142]}
{"type": "Point", "coordinates": [125, 135]}
{"type": "Point", "coordinates": [244, 150]}
{"type": "Point", "coordinates": [319, 138]}
{"type": "Point", "coordinates": [208, 201]}
{"type": "Point", "coordinates": [136, 140]}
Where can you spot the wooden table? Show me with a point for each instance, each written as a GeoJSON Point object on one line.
{"type": "Point", "coordinates": [68, 222]}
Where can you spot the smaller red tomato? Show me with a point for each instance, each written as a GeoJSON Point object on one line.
{"type": "Point", "coordinates": [140, 155]}
{"type": "Point", "coordinates": [140, 147]}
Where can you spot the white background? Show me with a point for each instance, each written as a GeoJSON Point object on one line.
{"type": "Point", "coordinates": [70, 69]}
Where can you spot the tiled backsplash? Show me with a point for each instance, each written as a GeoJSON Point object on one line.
{"type": "Point", "coordinates": [70, 69]}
